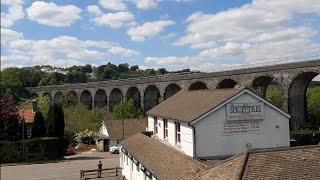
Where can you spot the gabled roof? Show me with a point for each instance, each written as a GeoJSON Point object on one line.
{"type": "Point", "coordinates": [188, 105]}
{"type": "Point", "coordinates": [27, 115]}
{"type": "Point", "coordinates": [131, 127]}
{"type": "Point", "coordinates": [245, 90]}
{"type": "Point", "coordinates": [163, 161]}
{"type": "Point", "coordinates": [276, 163]}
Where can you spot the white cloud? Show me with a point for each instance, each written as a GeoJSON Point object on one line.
{"type": "Point", "coordinates": [62, 51]}
{"type": "Point", "coordinates": [244, 32]}
{"type": "Point", "coordinates": [13, 14]}
{"type": "Point", "coordinates": [116, 5]}
{"type": "Point", "coordinates": [114, 20]}
{"type": "Point", "coordinates": [51, 14]}
{"type": "Point", "coordinates": [183, 62]}
{"type": "Point", "coordinates": [8, 35]}
{"type": "Point", "coordinates": [171, 60]}
{"type": "Point", "coordinates": [119, 51]}
{"type": "Point", "coordinates": [148, 30]}
{"type": "Point", "coordinates": [94, 9]}
{"type": "Point", "coordinates": [146, 4]}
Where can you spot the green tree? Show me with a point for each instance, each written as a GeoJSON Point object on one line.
{"type": "Point", "coordinates": [10, 128]}
{"type": "Point", "coordinates": [11, 84]}
{"type": "Point", "coordinates": [125, 110]}
{"type": "Point", "coordinates": [313, 102]}
{"type": "Point", "coordinates": [78, 118]}
{"type": "Point", "coordinates": [52, 79]}
{"type": "Point", "coordinates": [67, 100]}
{"type": "Point", "coordinates": [38, 127]}
{"type": "Point", "coordinates": [55, 121]}
{"type": "Point", "coordinates": [44, 105]}
{"type": "Point", "coordinates": [76, 77]}
{"type": "Point", "coordinates": [275, 97]}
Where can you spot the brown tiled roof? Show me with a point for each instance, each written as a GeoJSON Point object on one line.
{"type": "Point", "coordinates": [276, 163]}
{"type": "Point", "coordinates": [27, 115]}
{"type": "Point", "coordinates": [294, 163]}
{"type": "Point", "coordinates": [189, 105]}
{"type": "Point", "coordinates": [229, 169]}
{"type": "Point", "coordinates": [164, 161]}
{"type": "Point", "coordinates": [131, 127]}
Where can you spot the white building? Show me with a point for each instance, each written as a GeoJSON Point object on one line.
{"type": "Point", "coordinates": [212, 124]}
{"type": "Point", "coordinates": [115, 131]}
{"type": "Point", "coordinates": [205, 125]}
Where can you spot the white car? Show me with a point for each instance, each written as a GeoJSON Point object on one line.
{"type": "Point", "coordinates": [115, 149]}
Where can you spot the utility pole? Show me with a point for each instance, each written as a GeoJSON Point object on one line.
{"type": "Point", "coordinates": [23, 121]}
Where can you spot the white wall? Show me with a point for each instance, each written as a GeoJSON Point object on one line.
{"type": "Point", "coordinates": [104, 130]}
{"type": "Point", "coordinates": [186, 134]}
{"type": "Point", "coordinates": [130, 170]}
{"type": "Point", "coordinates": [210, 140]}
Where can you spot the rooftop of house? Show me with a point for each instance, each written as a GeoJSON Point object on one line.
{"type": "Point", "coordinates": [164, 161]}
{"type": "Point", "coordinates": [27, 115]}
{"type": "Point", "coordinates": [275, 163]}
{"type": "Point", "coordinates": [188, 105]}
{"type": "Point", "coordinates": [131, 127]}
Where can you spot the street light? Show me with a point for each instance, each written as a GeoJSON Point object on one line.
{"type": "Point", "coordinates": [23, 121]}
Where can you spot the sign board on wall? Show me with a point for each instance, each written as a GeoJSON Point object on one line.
{"type": "Point", "coordinates": [244, 111]}
{"type": "Point", "coordinates": [244, 127]}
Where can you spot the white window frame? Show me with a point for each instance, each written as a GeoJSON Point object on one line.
{"type": "Point", "coordinates": [165, 129]}
{"type": "Point", "coordinates": [177, 134]}
{"type": "Point", "coordinates": [155, 125]}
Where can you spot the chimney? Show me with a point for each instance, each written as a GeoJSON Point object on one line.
{"type": "Point", "coordinates": [34, 105]}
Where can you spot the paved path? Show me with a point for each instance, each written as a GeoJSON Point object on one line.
{"type": "Point", "coordinates": [68, 169]}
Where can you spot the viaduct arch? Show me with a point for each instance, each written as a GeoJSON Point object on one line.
{"type": "Point", "coordinates": [293, 78]}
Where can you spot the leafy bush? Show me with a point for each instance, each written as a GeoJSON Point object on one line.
{"type": "Point", "coordinates": [35, 149]}
{"type": "Point", "coordinates": [313, 96]}
{"type": "Point", "coordinates": [305, 137]}
{"type": "Point", "coordinates": [85, 137]}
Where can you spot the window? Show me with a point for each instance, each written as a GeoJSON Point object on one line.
{"type": "Point", "coordinates": [155, 121]}
{"type": "Point", "coordinates": [165, 128]}
{"type": "Point", "coordinates": [178, 133]}
{"type": "Point", "coordinates": [127, 160]}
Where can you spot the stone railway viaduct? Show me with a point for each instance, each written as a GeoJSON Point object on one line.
{"type": "Point", "coordinates": [293, 78]}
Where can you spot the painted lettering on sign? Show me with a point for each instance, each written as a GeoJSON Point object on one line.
{"type": "Point", "coordinates": [235, 128]}
{"type": "Point", "coordinates": [244, 111]}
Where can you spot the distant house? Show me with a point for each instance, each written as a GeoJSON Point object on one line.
{"type": "Point", "coordinates": [27, 115]}
{"type": "Point", "coordinates": [115, 132]}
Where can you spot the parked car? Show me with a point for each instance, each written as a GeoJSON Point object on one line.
{"type": "Point", "coordinates": [115, 149]}
{"type": "Point", "coordinates": [70, 151]}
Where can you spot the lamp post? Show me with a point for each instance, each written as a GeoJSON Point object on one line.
{"type": "Point", "coordinates": [23, 121]}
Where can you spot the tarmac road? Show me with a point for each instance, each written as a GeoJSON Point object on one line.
{"type": "Point", "coordinates": [68, 169]}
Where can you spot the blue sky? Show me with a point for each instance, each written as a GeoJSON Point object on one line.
{"type": "Point", "coordinates": [203, 35]}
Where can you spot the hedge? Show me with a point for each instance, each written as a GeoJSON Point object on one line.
{"type": "Point", "coordinates": [36, 149]}
{"type": "Point", "coordinates": [305, 137]}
